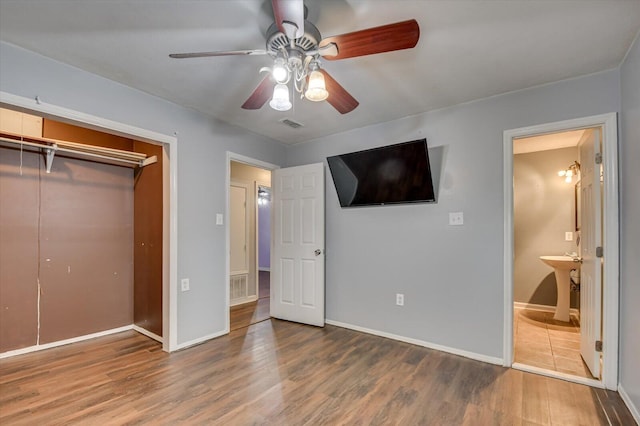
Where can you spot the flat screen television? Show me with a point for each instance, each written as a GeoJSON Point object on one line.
{"type": "Point", "coordinates": [391, 174]}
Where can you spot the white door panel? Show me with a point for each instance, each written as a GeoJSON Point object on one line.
{"type": "Point", "coordinates": [239, 262]}
{"type": "Point", "coordinates": [590, 239]}
{"type": "Point", "coordinates": [297, 266]}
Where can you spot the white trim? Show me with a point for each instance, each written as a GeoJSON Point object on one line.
{"type": "Point", "coordinates": [238, 302]}
{"type": "Point", "coordinates": [170, 288]}
{"type": "Point", "coordinates": [200, 340]}
{"type": "Point", "coordinates": [37, 348]}
{"type": "Point", "coordinates": [507, 271]}
{"type": "Point", "coordinates": [256, 239]}
{"type": "Point", "coordinates": [541, 308]}
{"type": "Point", "coordinates": [454, 351]}
{"type": "Point", "coordinates": [629, 403]}
{"type": "Point", "coordinates": [558, 375]}
{"type": "Point", "coordinates": [232, 156]}
{"type": "Point", "coordinates": [264, 269]}
{"type": "Point", "coordinates": [147, 333]}
{"type": "Point", "coordinates": [608, 123]}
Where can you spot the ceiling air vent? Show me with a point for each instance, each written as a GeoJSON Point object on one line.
{"type": "Point", "coordinates": [291, 123]}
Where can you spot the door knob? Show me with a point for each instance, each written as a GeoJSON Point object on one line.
{"type": "Point", "coordinates": [318, 252]}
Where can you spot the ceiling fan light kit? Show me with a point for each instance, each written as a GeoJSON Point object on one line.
{"type": "Point", "coordinates": [296, 46]}
{"type": "Point", "coordinates": [317, 90]}
{"type": "Point", "coordinates": [280, 100]}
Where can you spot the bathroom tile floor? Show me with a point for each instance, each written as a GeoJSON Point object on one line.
{"type": "Point", "coordinates": [541, 341]}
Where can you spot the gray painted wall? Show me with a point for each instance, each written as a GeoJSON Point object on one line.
{"type": "Point", "coordinates": [202, 144]}
{"type": "Point", "coordinates": [451, 275]}
{"type": "Point", "coordinates": [630, 226]}
{"type": "Point", "coordinates": [543, 205]}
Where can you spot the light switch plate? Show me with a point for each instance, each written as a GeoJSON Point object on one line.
{"type": "Point", "coordinates": [219, 220]}
{"type": "Point", "coordinates": [568, 236]}
{"type": "Point", "coordinates": [456, 218]}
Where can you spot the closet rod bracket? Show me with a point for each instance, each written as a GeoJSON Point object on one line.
{"type": "Point", "coordinates": [51, 152]}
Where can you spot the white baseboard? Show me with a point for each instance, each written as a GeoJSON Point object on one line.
{"type": "Point", "coordinates": [64, 342]}
{"type": "Point", "coordinates": [147, 333]}
{"type": "Point", "coordinates": [542, 308]}
{"type": "Point", "coordinates": [237, 302]}
{"type": "Point", "coordinates": [630, 405]}
{"type": "Point", "coordinates": [264, 269]}
{"type": "Point", "coordinates": [558, 375]}
{"type": "Point", "coordinates": [201, 340]}
{"type": "Point", "coordinates": [454, 351]}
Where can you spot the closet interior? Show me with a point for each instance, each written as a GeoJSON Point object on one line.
{"type": "Point", "coordinates": [81, 232]}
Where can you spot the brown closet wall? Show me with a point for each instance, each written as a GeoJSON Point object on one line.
{"type": "Point", "coordinates": [19, 199]}
{"type": "Point", "coordinates": [148, 227]}
{"type": "Point", "coordinates": [73, 231]}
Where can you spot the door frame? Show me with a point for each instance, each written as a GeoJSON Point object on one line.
{"type": "Point", "coordinates": [239, 158]}
{"type": "Point", "coordinates": [170, 211]}
{"type": "Point", "coordinates": [608, 123]}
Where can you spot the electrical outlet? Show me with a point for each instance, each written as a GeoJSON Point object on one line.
{"type": "Point", "coordinates": [219, 219]}
{"type": "Point", "coordinates": [184, 284]}
{"type": "Point", "coordinates": [456, 218]}
{"type": "Point", "coordinates": [568, 236]}
{"type": "Point", "coordinates": [399, 299]}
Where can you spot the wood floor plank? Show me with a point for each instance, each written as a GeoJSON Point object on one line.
{"type": "Point", "coordinates": [280, 373]}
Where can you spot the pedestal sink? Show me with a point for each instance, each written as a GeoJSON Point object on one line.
{"type": "Point", "coordinates": [562, 265]}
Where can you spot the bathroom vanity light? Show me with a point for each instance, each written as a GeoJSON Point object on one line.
{"type": "Point", "coordinates": [571, 171]}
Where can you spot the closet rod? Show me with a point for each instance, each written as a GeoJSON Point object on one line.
{"type": "Point", "coordinates": [51, 147]}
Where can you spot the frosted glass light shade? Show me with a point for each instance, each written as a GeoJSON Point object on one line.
{"type": "Point", "coordinates": [317, 90]}
{"type": "Point", "coordinates": [280, 101]}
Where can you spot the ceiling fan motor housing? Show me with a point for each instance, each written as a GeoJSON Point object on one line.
{"type": "Point", "coordinates": [276, 40]}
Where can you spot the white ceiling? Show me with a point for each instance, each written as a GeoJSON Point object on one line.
{"type": "Point", "coordinates": [467, 50]}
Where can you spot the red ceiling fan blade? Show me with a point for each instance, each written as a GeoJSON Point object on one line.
{"type": "Point", "coordinates": [218, 53]}
{"type": "Point", "coordinates": [387, 38]}
{"type": "Point", "coordinates": [259, 96]}
{"type": "Point", "coordinates": [339, 98]}
{"type": "Point", "coordinates": [289, 16]}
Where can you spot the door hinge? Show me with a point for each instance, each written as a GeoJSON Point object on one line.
{"type": "Point", "coordinates": [598, 345]}
{"type": "Point", "coordinates": [599, 252]}
{"type": "Point", "coordinates": [598, 158]}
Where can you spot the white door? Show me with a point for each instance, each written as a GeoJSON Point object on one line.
{"type": "Point", "coordinates": [590, 239]}
{"type": "Point", "coordinates": [297, 258]}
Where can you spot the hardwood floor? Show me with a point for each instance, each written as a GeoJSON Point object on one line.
{"type": "Point", "coordinates": [282, 373]}
{"type": "Point", "coordinates": [253, 312]}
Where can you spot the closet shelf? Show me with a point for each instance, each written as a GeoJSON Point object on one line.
{"type": "Point", "coordinates": [97, 153]}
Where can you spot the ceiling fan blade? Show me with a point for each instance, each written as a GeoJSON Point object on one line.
{"type": "Point", "coordinates": [339, 98]}
{"type": "Point", "coordinates": [259, 96]}
{"type": "Point", "coordinates": [387, 38]}
{"type": "Point", "coordinates": [289, 16]}
{"type": "Point", "coordinates": [218, 53]}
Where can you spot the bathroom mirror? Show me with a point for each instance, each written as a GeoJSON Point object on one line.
{"type": "Point", "coordinates": [576, 197]}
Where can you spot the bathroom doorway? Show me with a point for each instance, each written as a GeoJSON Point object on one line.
{"type": "Point", "coordinates": [560, 302]}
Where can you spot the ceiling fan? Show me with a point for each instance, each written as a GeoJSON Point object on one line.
{"type": "Point", "coordinates": [296, 46]}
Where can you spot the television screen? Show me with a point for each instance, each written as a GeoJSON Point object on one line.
{"type": "Point", "coordinates": [387, 175]}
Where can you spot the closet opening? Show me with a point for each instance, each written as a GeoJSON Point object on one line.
{"type": "Point", "coordinates": [84, 247]}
